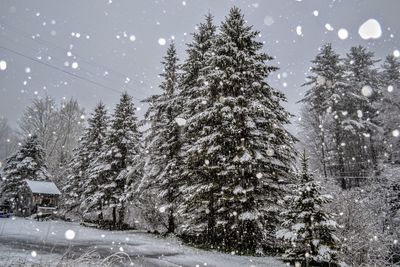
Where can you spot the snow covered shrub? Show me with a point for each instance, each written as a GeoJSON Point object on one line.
{"type": "Point", "coordinates": [93, 259]}
{"type": "Point", "coordinates": [367, 233]}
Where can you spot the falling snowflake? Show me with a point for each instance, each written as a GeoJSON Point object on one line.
{"type": "Point", "coordinates": [270, 152]}
{"type": "Point", "coordinates": [328, 27]}
{"type": "Point", "coordinates": [366, 91]}
{"type": "Point", "coordinates": [298, 30]}
{"type": "Point", "coordinates": [371, 29]}
{"type": "Point", "coordinates": [396, 53]}
{"type": "Point", "coordinates": [74, 65]}
{"type": "Point", "coordinates": [132, 38]}
{"type": "Point", "coordinates": [3, 65]}
{"type": "Point", "coordinates": [162, 41]}
{"type": "Point", "coordinates": [69, 234]}
{"type": "Point", "coordinates": [343, 34]}
{"type": "Point", "coordinates": [162, 209]}
{"type": "Point", "coordinates": [268, 20]}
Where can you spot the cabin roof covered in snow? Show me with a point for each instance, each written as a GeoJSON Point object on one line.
{"type": "Point", "coordinates": [41, 187]}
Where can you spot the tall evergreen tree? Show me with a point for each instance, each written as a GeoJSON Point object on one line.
{"type": "Point", "coordinates": [84, 183]}
{"type": "Point", "coordinates": [324, 108]}
{"type": "Point", "coordinates": [237, 151]}
{"type": "Point", "coordinates": [389, 106]}
{"type": "Point", "coordinates": [307, 228]}
{"type": "Point", "coordinates": [361, 125]}
{"type": "Point", "coordinates": [121, 151]}
{"type": "Point", "coordinates": [76, 174]}
{"type": "Point", "coordinates": [196, 55]}
{"type": "Point", "coordinates": [163, 140]}
{"type": "Point", "coordinates": [198, 51]}
{"type": "Point", "coordinates": [27, 163]}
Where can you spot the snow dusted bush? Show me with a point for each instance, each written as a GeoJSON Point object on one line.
{"type": "Point", "coordinates": [92, 258]}
{"type": "Point", "coordinates": [368, 219]}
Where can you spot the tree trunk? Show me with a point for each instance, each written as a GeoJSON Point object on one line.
{"type": "Point", "coordinates": [211, 220]}
{"type": "Point", "coordinates": [323, 155]}
{"type": "Point", "coordinates": [100, 216]}
{"type": "Point", "coordinates": [373, 153]}
{"type": "Point", "coordinates": [322, 133]}
{"type": "Point", "coordinates": [114, 216]}
{"type": "Point", "coordinates": [171, 221]}
{"type": "Point", "coordinates": [121, 216]}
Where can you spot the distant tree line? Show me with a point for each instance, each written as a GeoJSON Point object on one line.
{"type": "Point", "coordinates": [350, 114]}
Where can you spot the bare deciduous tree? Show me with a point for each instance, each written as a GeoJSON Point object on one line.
{"type": "Point", "coordinates": [58, 128]}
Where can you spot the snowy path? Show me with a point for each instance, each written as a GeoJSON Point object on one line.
{"type": "Point", "coordinates": [30, 242]}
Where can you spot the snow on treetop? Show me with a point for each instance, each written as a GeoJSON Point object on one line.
{"type": "Point", "coordinates": [41, 187]}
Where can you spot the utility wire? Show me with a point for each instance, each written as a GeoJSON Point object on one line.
{"type": "Point", "coordinates": [64, 71]}
{"type": "Point", "coordinates": [45, 42]}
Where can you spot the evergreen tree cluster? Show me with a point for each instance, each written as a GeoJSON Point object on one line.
{"type": "Point", "coordinates": [217, 151]}
{"type": "Point", "coordinates": [350, 113]}
{"type": "Point", "coordinates": [98, 173]}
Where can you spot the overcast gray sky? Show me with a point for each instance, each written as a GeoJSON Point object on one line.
{"type": "Point", "coordinates": [116, 43]}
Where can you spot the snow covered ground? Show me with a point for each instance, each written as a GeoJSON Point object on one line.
{"type": "Point", "coordinates": [25, 242]}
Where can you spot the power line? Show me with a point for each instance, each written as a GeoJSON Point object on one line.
{"type": "Point", "coordinates": [92, 74]}
{"type": "Point", "coordinates": [45, 42]}
{"type": "Point", "coordinates": [64, 71]}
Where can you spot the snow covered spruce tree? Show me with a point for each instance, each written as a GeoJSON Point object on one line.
{"type": "Point", "coordinates": [120, 151]}
{"type": "Point", "coordinates": [27, 163]}
{"type": "Point", "coordinates": [237, 152]}
{"type": "Point", "coordinates": [362, 143]}
{"type": "Point", "coordinates": [198, 50]}
{"type": "Point", "coordinates": [323, 111]}
{"type": "Point", "coordinates": [307, 228]}
{"type": "Point", "coordinates": [196, 56]}
{"type": "Point", "coordinates": [389, 107]}
{"type": "Point", "coordinates": [163, 140]}
{"type": "Point", "coordinates": [76, 172]}
{"type": "Point", "coordinates": [82, 188]}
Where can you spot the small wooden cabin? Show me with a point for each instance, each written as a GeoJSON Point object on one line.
{"type": "Point", "coordinates": [37, 196]}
